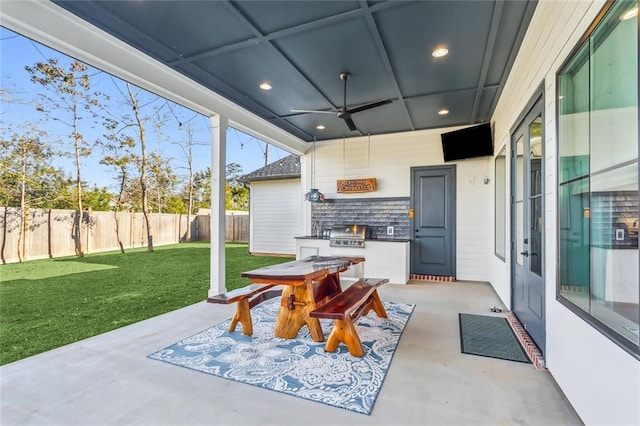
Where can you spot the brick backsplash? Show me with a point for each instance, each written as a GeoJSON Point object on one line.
{"type": "Point", "coordinates": [377, 213]}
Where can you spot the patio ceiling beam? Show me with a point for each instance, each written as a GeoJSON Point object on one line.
{"type": "Point", "coordinates": [61, 30]}
{"type": "Point", "coordinates": [488, 54]}
{"type": "Point", "coordinates": [286, 32]}
{"type": "Point", "coordinates": [526, 17]}
{"type": "Point", "coordinates": [263, 40]}
{"type": "Point", "coordinates": [384, 56]}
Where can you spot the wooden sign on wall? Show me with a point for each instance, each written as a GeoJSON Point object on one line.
{"type": "Point", "coordinates": [348, 186]}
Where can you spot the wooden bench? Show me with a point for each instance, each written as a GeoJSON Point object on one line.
{"type": "Point", "coordinates": [244, 297]}
{"type": "Point", "coordinates": [345, 308]}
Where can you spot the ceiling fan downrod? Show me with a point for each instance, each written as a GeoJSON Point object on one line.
{"type": "Point", "coordinates": [344, 76]}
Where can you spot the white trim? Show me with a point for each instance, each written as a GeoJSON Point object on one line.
{"type": "Point", "coordinates": [217, 280]}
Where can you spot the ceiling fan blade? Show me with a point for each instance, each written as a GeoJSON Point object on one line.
{"type": "Point", "coordinates": [314, 111]}
{"type": "Point", "coordinates": [350, 123]}
{"type": "Point", "coordinates": [369, 106]}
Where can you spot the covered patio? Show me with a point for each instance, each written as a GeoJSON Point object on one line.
{"type": "Point", "coordinates": [108, 379]}
{"type": "Point", "coordinates": [509, 69]}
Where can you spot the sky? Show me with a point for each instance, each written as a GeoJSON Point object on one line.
{"type": "Point", "coordinates": [17, 51]}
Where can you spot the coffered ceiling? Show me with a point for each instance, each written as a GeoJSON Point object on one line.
{"type": "Point", "coordinates": [299, 48]}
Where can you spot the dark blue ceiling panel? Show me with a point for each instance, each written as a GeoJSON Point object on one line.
{"type": "Point", "coordinates": [386, 119]}
{"type": "Point", "coordinates": [184, 27]}
{"type": "Point", "coordinates": [411, 32]}
{"type": "Point", "coordinates": [268, 16]}
{"type": "Point", "coordinates": [513, 13]}
{"type": "Point", "coordinates": [321, 54]}
{"type": "Point", "coordinates": [486, 104]}
{"type": "Point", "coordinates": [244, 70]}
{"type": "Point", "coordinates": [424, 110]}
{"type": "Point", "coordinates": [334, 127]}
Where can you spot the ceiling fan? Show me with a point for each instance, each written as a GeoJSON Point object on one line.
{"type": "Point", "coordinates": [345, 113]}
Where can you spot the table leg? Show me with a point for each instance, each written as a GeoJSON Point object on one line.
{"type": "Point", "coordinates": [290, 321]}
{"type": "Point", "coordinates": [326, 288]}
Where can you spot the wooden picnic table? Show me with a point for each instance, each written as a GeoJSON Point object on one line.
{"type": "Point", "coordinates": [307, 284]}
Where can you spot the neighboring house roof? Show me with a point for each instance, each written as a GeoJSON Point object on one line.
{"type": "Point", "coordinates": [286, 168]}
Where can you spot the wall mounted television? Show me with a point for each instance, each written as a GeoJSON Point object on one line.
{"type": "Point", "coordinates": [470, 142]}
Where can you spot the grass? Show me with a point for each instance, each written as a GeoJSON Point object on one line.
{"type": "Point", "coordinates": [45, 304]}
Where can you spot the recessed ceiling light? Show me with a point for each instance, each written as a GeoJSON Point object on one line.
{"type": "Point", "coordinates": [320, 127]}
{"type": "Point", "coordinates": [440, 52]}
{"type": "Point", "coordinates": [265, 86]}
{"type": "Point", "coordinates": [631, 13]}
{"type": "Point", "coordinates": [443, 111]}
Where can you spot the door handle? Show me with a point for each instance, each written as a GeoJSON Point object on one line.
{"type": "Point", "coordinates": [525, 253]}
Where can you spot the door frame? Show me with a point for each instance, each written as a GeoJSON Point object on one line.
{"type": "Point", "coordinates": [412, 205]}
{"type": "Point", "coordinates": [537, 97]}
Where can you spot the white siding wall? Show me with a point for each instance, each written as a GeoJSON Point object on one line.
{"type": "Point", "coordinates": [275, 216]}
{"type": "Point", "coordinates": [601, 381]}
{"type": "Point", "coordinates": [389, 158]}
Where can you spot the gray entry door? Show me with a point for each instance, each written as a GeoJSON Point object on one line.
{"type": "Point", "coordinates": [433, 246]}
{"type": "Point", "coordinates": [527, 247]}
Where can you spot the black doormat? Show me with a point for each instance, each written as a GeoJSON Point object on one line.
{"type": "Point", "coordinates": [491, 337]}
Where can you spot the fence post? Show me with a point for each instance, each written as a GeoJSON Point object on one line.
{"type": "Point", "coordinates": [25, 229]}
{"type": "Point", "coordinates": [132, 218]}
{"type": "Point", "coordinates": [88, 229]}
{"type": "Point", "coordinates": [49, 238]}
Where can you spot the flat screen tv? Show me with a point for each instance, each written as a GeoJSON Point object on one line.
{"type": "Point", "coordinates": [471, 142]}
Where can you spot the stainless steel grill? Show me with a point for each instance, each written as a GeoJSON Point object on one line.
{"type": "Point", "coordinates": [349, 235]}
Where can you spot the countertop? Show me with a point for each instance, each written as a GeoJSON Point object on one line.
{"type": "Point", "coordinates": [386, 240]}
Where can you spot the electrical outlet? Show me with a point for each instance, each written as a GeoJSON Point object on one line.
{"type": "Point", "coordinates": [389, 230]}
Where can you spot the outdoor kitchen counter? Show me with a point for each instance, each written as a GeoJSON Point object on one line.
{"type": "Point", "coordinates": [390, 240]}
{"type": "Point", "coordinates": [388, 257]}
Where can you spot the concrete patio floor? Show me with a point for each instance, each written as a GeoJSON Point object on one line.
{"type": "Point", "coordinates": [108, 379]}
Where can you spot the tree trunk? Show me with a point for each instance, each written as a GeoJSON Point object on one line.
{"type": "Point", "coordinates": [23, 218]}
{"type": "Point", "coordinates": [117, 224]}
{"type": "Point", "coordinates": [4, 234]}
{"type": "Point", "coordinates": [123, 181]}
{"type": "Point", "coordinates": [49, 239]}
{"type": "Point", "coordinates": [76, 150]}
{"type": "Point", "coordinates": [143, 170]}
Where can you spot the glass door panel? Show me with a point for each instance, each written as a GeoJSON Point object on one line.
{"type": "Point", "coordinates": [519, 192]}
{"type": "Point", "coordinates": [535, 196]}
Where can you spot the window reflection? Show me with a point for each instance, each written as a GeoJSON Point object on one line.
{"type": "Point", "coordinates": [535, 194]}
{"type": "Point", "coordinates": [519, 204]}
{"type": "Point", "coordinates": [500, 203]}
{"type": "Point", "coordinates": [598, 178]}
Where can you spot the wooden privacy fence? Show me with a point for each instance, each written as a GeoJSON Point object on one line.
{"type": "Point", "coordinates": [50, 232]}
{"type": "Point", "coordinates": [236, 228]}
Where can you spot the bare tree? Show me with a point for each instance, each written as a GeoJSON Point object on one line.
{"type": "Point", "coordinates": [161, 179]}
{"type": "Point", "coordinates": [187, 149]}
{"type": "Point", "coordinates": [69, 101]}
{"type": "Point", "coordinates": [119, 156]}
{"type": "Point", "coordinates": [140, 126]}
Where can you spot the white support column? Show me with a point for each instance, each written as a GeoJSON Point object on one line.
{"type": "Point", "coordinates": [305, 179]}
{"type": "Point", "coordinates": [218, 172]}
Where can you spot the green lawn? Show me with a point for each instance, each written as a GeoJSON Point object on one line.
{"type": "Point", "coordinates": [45, 304]}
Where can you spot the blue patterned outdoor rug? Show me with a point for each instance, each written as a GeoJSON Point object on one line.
{"type": "Point", "coordinates": [298, 367]}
